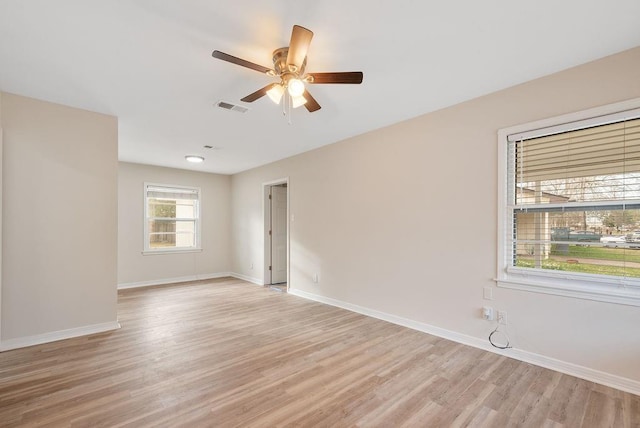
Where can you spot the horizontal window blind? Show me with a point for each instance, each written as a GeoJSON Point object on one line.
{"type": "Point", "coordinates": [171, 193]}
{"type": "Point", "coordinates": [598, 163]}
{"type": "Point", "coordinates": [635, 205]}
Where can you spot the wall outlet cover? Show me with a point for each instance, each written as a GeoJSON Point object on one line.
{"type": "Point", "coordinates": [487, 313]}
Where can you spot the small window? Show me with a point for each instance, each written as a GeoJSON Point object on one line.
{"type": "Point", "coordinates": [570, 208]}
{"type": "Point", "coordinates": [172, 218]}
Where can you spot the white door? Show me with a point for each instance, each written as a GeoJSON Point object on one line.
{"type": "Point", "coordinates": [278, 234]}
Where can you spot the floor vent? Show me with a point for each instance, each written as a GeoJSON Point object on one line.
{"type": "Point", "coordinates": [232, 107]}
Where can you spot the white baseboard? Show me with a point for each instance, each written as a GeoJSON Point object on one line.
{"type": "Point", "coordinates": [256, 281]}
{"type": "Point", "coordinates": [586, 373]}
{"type": "Point", "coordinates": [125, 285]}
{"type": "Point", "coordinates": [38, 339]}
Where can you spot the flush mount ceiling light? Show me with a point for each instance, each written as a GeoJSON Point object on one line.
{"type": "Point", "coordinates": [194, 158]}
{"type": "Point", "coordinates": [288, 65]}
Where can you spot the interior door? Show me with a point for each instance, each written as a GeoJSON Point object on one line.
{"type": "Point", "coordinates": [278, 234]}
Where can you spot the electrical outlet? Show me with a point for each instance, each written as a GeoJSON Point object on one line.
{"type": "Point", "coordinates": [316, 278]}
{"type": "Point", "coordinates": [502, 317]}
{"type": "Point", "coordinates": [487, 313]}
{"type": "Point", "coordinates": [487, 293]}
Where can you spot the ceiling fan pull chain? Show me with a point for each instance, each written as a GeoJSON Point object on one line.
{"type": "Point", "coordinates": [284, 104]}
{"type": "Point", "coordinates": [289, 102]}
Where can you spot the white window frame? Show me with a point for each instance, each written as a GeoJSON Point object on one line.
{"type": "Point", "coordinates": [579, 285]}
{"type": "Point", "coordinates": [172, 250]}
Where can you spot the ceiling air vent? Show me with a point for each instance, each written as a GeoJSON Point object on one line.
{"type": "Point", "coordinates": [232, 107]}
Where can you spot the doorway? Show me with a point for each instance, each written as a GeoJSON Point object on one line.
{"type": "Point", "coordinates": [277, 235]}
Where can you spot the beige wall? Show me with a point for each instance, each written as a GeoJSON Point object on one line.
{"type": "Point", "coordinates": [403, 221]}
{"type": "Point", "coordinates": [134, 268]}
{"type": "Point", "coordinates": [59, 219]}
{"type": "Point", "coordinates": [1, 151]}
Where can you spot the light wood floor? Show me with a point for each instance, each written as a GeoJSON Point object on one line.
{"type": "Point", "coordinates": [227, 353]}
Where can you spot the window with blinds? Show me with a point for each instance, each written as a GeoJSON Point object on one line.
{"type": "Point", "coordinates": [572, 204]}
{"type": "Point", "coordinates": [171, 218]}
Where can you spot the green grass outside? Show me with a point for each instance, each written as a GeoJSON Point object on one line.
{"type": "Point", "coordinates": [600, 253]}
{"type": "Point", "coordinates": [582, 267]}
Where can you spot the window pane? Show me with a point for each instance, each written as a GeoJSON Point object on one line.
{"type": "Point", "coordinates": [185, 234]}
{"type": "Point", "coordinates": [172, 208]}
{"type": "Point", "coordinates": [185, 209]}
{"type": "Point", "coordinates": [162, 208]}
{"type": "Point", "coordinates": [596, 241]}
{"type": "Point", "coordinates": [579, 189]}
{"type": "Point", "coordinates": [171, 234]}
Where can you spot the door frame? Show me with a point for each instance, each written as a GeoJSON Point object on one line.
{"type": "Point", "coordinates": [266, 215]}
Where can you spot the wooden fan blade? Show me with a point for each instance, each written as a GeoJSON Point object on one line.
{"type": "Point", "coordinates": [258, 94]}
{"type": "Point", "coordinates": [311, 104]}
{"type": "Point", "coordinates": [238, 61]}
{"type": "Point", "coordinates": [299, 45]}
{"type": "Point", "coordinates": [339, 77]}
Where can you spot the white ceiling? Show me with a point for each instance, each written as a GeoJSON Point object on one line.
{"type": "Point", "coordinates": [149, 63]}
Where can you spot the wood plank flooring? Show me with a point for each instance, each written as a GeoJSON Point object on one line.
{"type": "Point", "coordinates": [226, 353]}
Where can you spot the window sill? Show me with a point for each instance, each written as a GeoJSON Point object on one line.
{"type": "Point", "coordinates": [172, 251]}
{"type": "Point", "coordinates": [601, 292]}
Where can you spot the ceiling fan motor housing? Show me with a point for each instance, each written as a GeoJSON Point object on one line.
{"type": "Point", "coordinates": [280, 63]}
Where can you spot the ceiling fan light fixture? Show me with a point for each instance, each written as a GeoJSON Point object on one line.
{"type": "Point", "coordinates": [295, 87]}
{"type": "Point", "coordinates": [298, 101]}
{"type": "Point", "coordinates": [194, 159]}
{"type": "Point", "coordinates": [289, 65]}
{"type": "Point", "coordinates": [276, 93]}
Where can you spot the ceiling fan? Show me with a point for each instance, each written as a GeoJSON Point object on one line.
{"type": "Point", "coordinates": [289, 66]}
